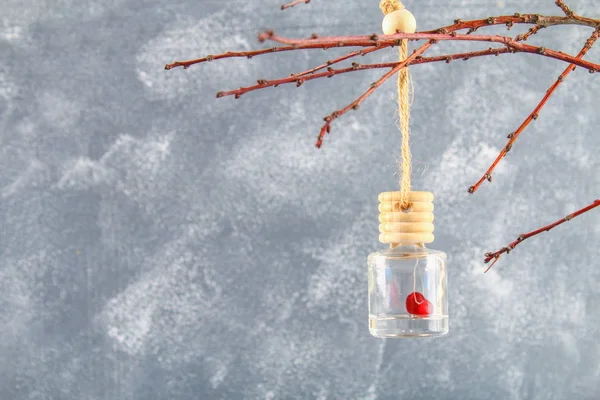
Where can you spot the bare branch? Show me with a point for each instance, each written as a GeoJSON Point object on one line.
{"type": "Point", "coordinates": [293, 3]}
{"type": "Point", "coordinates": [392, 40]}
{"type": "Point", "coordinates": [356, 103]}
{"type": "Point", "coordinates": [535, 113]}
{"type": "Point", "coordinates": [532, 31]}
{"type": "Point", "coordinates": [473, 25]}
{"type": "Point", "coordinates": [568, 12]}
{"type": "Point", "coordinates": [389, 41]}
{"type": "Point", "coordinates": [496, 256]}
{"type": "Point", "coordinates": [339, 59]}
{"type": "Point", "coordinates": [303, 76]}
{"type": "Point", "coordinates": [373, 43]}
{"type": "Point", "coordinates": [250, 54]}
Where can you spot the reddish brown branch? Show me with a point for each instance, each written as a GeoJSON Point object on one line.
{"type": "Point", "coordinates": [534, 114]}
{"type": "Point", "coordinates": [568, 12]}
{"type": "Point", "coordinates": [473, 25]}
{"type": "Point", "coordinates": [250, 54]}
{"type": "Point", "coordinates": [375, 42]}
{"type": "Point", "coordinates": [293, 3]}
{"type": "Point", "coordinates": [337, 60]}
{"type": "Point", "coordinates": [302, 77]}
{"type": "Point", "coordinates": [511, 20]}
{"type": "Point", "coordinates": [496, 256]}
{"type": "Point", "coordinates": [392, 40]}
{"type": "Point", "coordinates": [356, 103]}
{"type": "Point", "coordinates": [532, 31]}
{"type": "Point", "coordinates": [380, 42]}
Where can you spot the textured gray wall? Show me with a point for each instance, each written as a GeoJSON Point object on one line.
{"type": "Point", "coordinates": [158, 243]}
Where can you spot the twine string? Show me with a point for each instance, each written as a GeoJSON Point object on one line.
{"type": "Point", "coordinates": [388, 6]}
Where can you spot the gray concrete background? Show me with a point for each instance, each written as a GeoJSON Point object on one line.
{"type": "Point", "coordinates": [158, 243]}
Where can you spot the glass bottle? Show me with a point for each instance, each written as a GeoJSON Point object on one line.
{"type": "Point", "coordinates": [408, 292]}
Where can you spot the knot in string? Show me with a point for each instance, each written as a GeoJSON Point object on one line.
{"type": "Point", "coordinates": [387, 6]}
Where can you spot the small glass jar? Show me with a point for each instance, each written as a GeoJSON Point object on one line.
{"type": "Point", "coordinates": [408, 292]}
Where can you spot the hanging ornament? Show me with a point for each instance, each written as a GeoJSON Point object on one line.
{"type": "Point", "coordinates": [407, 282]}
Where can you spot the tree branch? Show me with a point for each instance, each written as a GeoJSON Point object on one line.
{"type": "Point", "coordinates": [393, 40]}
{"type": "Point", "coordinates": [293, 3]}
{"type": "Point", "coordinates": [472, 26]}
{"type": "Point", "coordinates": [388, 41]}
{"type": "Point", "coordinates": [373, 43]}
{"type": "Point", "coordinates": [568, 12]}
{"type": "Point", "coordinates": [302, 77]}
{"type": "Point", "coordinates": [496, 256]}
{"type": "Point", "coordinates": [339, 59]}
{"type": "Point", "coordinates": [356, 103]}
{"type": "Point", "coordinates": [248, 54]}
{"type": "Point", "coordinates": [534, 114]}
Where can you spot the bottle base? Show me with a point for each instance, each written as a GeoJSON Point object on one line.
{"type": "Point", "coordinates": [407, 326]}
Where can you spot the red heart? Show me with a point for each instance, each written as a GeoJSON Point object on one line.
{"type": "Point", "coordinates": [417, 304]}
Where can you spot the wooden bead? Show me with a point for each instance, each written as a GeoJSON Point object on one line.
{"type": "Point", "coordinates": [399, 21]}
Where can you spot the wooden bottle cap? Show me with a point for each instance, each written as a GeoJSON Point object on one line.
{"type": "Point", "coordinates": [413, 226]}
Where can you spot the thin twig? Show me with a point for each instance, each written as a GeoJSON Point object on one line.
{"type": "Point", "coordinates": [293, 3]}
{"type": "Point", "coordinates": [534, 114]}
{"type": "Point", "coordinates": [356, 103]}
{"type": "Point", "coordinates": [392, 40]}
{"type": "Point", "coordinates": [496, 256]}
{"type": "Point", "coordinates": [337, 60]}
{"type": "Point", "coordinates": [540, 20]}
{"type": "Point", "coordinates": [532, 31]}
{"type": "Point", "coordinates": [376, 42]}
{"type": "Point", "coordinates": [247, 54]}
{"type": "Point", "coordinates": [302, 77]}
{"type": "Point", "coordinates": [568, 12]}
{"type": "Point", "coordinates": [395, 39]}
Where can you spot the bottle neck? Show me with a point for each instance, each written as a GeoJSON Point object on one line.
{"type": "Point", "coordinates": [407, 248]}
{"type": "Point", "coordinates": [412, 245]}
{"type": "Point", "coordinates": [411, 250]}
